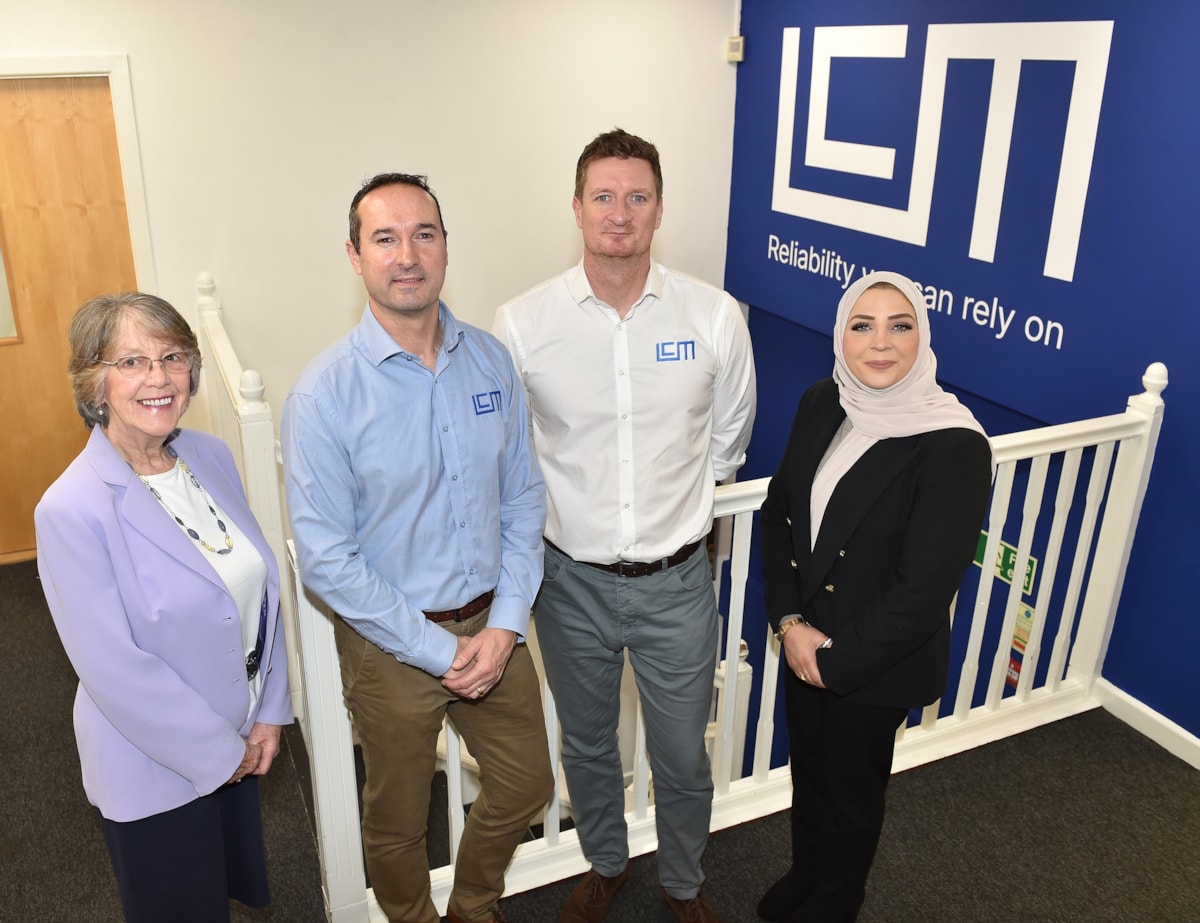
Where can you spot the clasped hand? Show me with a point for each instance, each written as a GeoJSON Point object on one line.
{"type": "Point", "coordinates": [262, 745]}
{"type": "Point", "coordinates": [479, 663]}
{"type": "Point", "coordinates": [800, 646]}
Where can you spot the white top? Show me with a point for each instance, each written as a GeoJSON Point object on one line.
{"type": "Point", "coordinates": [634, 420]}
{"type": "Point", "coordinates": [243, 570]}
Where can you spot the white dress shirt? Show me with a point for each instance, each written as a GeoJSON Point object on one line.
{"type": "Point", "coordinates": [634, 420]}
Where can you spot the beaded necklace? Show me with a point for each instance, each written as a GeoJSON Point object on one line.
{"type": "Point", "coordinates": [204, 495]}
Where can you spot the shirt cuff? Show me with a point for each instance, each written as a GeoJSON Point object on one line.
{"type": "Point", "coordinates": [439, 653]}
{"type": "Point", "coordinates": [511, 612]}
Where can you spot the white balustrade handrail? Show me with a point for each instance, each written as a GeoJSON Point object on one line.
{"type": "Point", "coordinates": [1053, 598]}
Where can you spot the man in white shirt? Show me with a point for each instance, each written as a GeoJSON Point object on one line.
{"type": "Point", "coordinates": [642, 395]}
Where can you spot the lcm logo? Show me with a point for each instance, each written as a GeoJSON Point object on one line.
{"type": "Point", "coordinates": [1005, 44]}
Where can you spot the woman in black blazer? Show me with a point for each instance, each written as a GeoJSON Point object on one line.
{"type": "Point", "coordinates": [868, 527]}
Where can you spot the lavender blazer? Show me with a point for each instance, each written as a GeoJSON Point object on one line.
{"type": "Point", "coordinates": [152, 632]}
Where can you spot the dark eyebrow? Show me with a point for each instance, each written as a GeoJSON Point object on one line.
{"type": "Point", "coordinates": [871, 317]}
{"type": "Point", "coordinates": [392, 232]}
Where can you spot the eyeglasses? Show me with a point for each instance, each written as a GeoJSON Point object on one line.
{"type": "Point", "coordinates": [141, 366]}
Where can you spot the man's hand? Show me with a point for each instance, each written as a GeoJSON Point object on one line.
{"type": "Point", "coordinates": [480, 662]}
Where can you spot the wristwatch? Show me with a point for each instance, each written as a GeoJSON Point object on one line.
{"type": "Point", "coordinates": [787, 625]}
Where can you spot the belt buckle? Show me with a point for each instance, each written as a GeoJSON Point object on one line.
{"type": "Point", "coordinates": [638, 568]}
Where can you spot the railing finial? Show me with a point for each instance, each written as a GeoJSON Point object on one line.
{"type": "Point", "coordinates": [251, 386]}
{"type": "Point", "coordinates": [206, 299]}
{"type": "Point", "coordinates": [1155, 379]}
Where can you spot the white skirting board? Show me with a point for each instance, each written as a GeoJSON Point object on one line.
{"type": "Point", "coordinates": [1146, 721]}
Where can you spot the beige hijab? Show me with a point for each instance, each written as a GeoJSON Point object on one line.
{"type": "Point", "coordinates": [914, 404]}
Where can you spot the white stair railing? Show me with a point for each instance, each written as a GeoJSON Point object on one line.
{"type": "Point", "coordinates": [1065, 505]}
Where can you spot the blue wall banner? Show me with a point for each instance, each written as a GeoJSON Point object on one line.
{"type": "Point", "coordinates": [1029, 164]}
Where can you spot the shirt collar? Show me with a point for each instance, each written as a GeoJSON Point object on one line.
{"type": "Point", "coordinates": [581, 288]}
{"type": "Point", "coordinates": [379, 345]}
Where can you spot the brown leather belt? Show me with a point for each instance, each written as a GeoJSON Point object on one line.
{"type": "Point", "coordinates": [638, 568]}
{"type": "Point", "coordinates": [474, 607]}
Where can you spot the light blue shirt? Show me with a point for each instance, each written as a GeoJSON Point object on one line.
{"type": "Point", "coordinates": [412, 490]}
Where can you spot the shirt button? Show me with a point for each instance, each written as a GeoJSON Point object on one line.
{"type": "Point", "coordinates": [454, 477]}
{"type": "Point", "coordinates": [462, 525]}
{"type": "Point", "coordinates": [794, 564]}
{"type": "Point", "coordinates": [445, 429]}
{"type": "Point", "coordinates": [829, 588]}
{"type": "Point", "coordinates": [788, 519]}
{"type": "Point", "coordinates": [842, 553]}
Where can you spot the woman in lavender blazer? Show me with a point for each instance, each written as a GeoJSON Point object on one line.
{"type": "Point", "coordinates": [165, 594]}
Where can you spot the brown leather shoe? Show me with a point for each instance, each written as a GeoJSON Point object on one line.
{"type": "Point", "coordinates": [691, 910]}
{"type": "Point", "coordinates": [588, 903]}
{"type": "Point", "coordinates": [496, 917]}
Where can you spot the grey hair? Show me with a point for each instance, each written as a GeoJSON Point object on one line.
{"type": "Point", "coordinates": [97, 324]}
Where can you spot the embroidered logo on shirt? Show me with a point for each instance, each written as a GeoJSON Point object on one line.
{"type": "Point", "coordinates": [675, 351]}
{"type": "Point", "coordinates": [486, 402]}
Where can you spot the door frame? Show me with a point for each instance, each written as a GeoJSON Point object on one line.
{"type": "Point", "coordinates": [116, 68]}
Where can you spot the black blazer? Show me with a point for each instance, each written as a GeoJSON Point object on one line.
{"type": "Point", "coordinates": [898, 534]}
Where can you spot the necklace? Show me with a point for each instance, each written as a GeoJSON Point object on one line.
{"type": "Point", "coordinates": [183, 525]}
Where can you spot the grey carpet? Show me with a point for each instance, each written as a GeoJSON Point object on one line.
{"type": "Point", "coordinates": [1082, 820]}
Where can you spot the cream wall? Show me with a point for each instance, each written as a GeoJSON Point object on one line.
{"type": "Point", "coordinates": [257, 121]}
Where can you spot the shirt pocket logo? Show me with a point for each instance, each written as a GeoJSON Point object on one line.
{"type": "Point", "coordinates": [675, 350]}
{"type": "Point", "coordinates": [485, 402]}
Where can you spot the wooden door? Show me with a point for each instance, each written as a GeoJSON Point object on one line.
{"type": "Point", "coordinates": [65, 237]}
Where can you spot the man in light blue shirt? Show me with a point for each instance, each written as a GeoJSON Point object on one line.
{"type": "Point", "coordinates": [417, 508]}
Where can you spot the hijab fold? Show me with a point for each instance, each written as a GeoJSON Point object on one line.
{"type": "Point", "coordinates": [915, 404]}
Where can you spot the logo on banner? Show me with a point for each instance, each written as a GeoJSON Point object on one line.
{"type": "Point", "coordinates": [1007, 46]}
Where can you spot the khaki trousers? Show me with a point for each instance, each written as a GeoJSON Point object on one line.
{"type": "Point", "coordinates": [397, 711]}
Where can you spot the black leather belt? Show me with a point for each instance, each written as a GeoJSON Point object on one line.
{"type": "Point", "coordinates": [638, 568]}
{"type": "Point", "coordinates": [474, 607]}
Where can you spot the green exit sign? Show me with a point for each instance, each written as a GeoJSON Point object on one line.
{"type": "Point", "coordinates": [1006, 562]}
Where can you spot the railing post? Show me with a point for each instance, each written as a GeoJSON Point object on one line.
{"type": "Point", "coordinates": [331, 758]}
{"type": "Point", "coordinates": [1122, 509]}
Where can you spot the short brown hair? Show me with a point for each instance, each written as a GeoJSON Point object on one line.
{"type": "Point", "coordinates": [618, 143]}
{"type": "Point", "coordinates": [97, 324]}
{"type": "Point", "coordinates": [388, 179]}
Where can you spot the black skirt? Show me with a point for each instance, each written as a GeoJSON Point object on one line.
{"type": "Point", "coordinates": [185, 865]}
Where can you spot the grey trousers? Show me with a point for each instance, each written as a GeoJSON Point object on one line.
{"type": "Point", "coordinates": [586, 618]}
